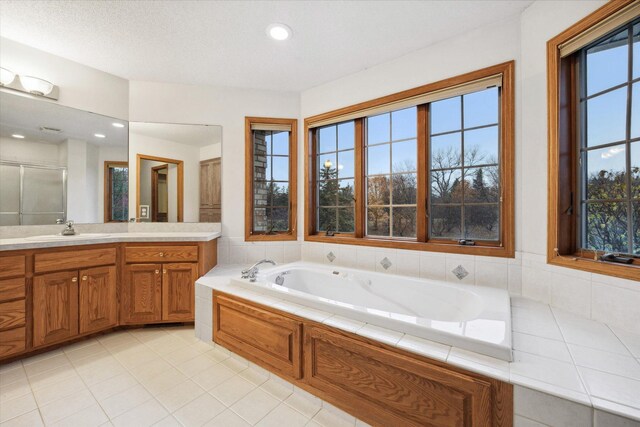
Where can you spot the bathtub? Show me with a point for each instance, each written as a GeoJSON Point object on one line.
{"type": "Point", "coordinates": [474, 318]}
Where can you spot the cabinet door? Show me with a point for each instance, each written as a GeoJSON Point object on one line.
{"type": "Point", "coordinates": [97, 299]}
{"type": "Point", "coordinates": [178, 291]}
{"type": "Point", "coordinates": [55, 307]}
{"type": "Point", "coordinates": [210, 184]}
{"type": "Point", "coordinates": [142, 293]}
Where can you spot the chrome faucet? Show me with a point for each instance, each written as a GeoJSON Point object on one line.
{"type": "Point", "coordinates": [250, 273]}
{"type": "Point", "coordinates": [68, 229]}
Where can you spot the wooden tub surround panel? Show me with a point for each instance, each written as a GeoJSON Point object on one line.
{"type": "Point", "coordinates": [53, 296]}
{"type": "Point", "coordinates": [378, 383]}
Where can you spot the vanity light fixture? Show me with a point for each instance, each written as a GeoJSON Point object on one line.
{"type": "Point", "coordinates": [117, 125]}
{"type": "Point", "coordinates": [99, 135]}
{"type": "Point", "coordinates": [279, 31]}
{"type": "Point", "coordinates": [17, 136]}
{"type": "Point", "coordinates": [28, 84]}
{"type": "Point", "coordinates": [6, 76]}
{"type": "Point", "coordinates": [36, 86]}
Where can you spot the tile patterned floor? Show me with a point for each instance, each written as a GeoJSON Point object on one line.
{"type": "Point", "coordinates": [153, 376]}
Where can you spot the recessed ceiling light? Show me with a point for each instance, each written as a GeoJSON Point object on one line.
{"type": "Point", "coordinates": [18, 136]}
{"type": "Point", "coordinates": [279, 31]}
{"type": "Point", "coordinates": [99, 135]}
{"type": "Point", "coordinates": [118, 125]}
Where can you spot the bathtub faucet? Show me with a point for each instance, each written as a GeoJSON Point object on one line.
{"type": "Point", "coordinates": [250, 273]}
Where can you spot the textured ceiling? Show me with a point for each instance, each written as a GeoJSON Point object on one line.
{"type": "Point", "coordinates": [224, 42]}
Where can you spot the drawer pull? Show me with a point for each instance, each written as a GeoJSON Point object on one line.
{"type": "Point", "coordinates": [74, 279]}
{"type": "Point", "coordinates": [157, 271]}
{"type": "Point", "coordinates": [84, 277]}
{"type": "Point", "coordinates": [164, 271]}
{"type": "Point", "coordinates": [161, 253]}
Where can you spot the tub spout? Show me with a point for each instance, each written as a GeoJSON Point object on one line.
{"type": "Point", "coordinates": [250, 273]}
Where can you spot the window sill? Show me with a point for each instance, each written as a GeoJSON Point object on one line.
{"type": "Point", "coordinates": [493, 251]}
{"type": "Point", "coordinates": [623, 271]}
{"type": "Point", "coordinates": [280, 237]}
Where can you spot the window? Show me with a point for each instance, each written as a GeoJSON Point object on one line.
{"type": "Point", "coordinates": [270, 179]}
{"type": "Point", "coordinates": [595, 141]}
{"type": "Point", "coordinates": [116, 191]}
{"type": "Point", "coordinates": [430, 168]}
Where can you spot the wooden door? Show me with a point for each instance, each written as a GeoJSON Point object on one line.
{"type": "Point", "coordinates": [210, 189]}
{"type": "Point", "coordinates": [97, 292]}
{"type": "Point", "coordinates": [55, 307]}
{"type": "Point", "coordinates": [142, 293]}
{"type": "Point", "coordinates": [178, 291]}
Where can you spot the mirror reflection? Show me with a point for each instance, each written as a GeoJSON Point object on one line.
{"type": "Point", "coordinates": [59, 163]}
{"type": "Point", "coordinates": [177, 172]}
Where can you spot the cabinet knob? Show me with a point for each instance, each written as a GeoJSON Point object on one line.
{"type": "Point", "coordinates": [161, 253]}
{"type": "Point", "coordinates": [157, 271]}
{"type": "Point", "coordinates": [164, 271]}
{"type": "Point", "coordinates": [74, 279]}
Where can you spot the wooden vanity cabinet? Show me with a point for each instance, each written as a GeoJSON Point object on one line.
{"type": "Point", "coordinates": [73, 302]}
{"type": "Point", "coordinates": [159, 284]}
{"type": "Point", "coordinates": [13, 305]}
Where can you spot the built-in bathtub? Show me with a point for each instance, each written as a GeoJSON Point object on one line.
{"type": "Point", "coordinates": [474, 318]}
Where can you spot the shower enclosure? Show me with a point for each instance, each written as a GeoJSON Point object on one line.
{"type": "Point", "coordinates": [32, 194]}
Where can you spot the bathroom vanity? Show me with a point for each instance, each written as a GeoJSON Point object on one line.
{"type": "Point", "coordinates": [56, 294]}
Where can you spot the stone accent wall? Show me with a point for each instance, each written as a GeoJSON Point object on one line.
{"type": "Point", "coordinates": [260, 189]}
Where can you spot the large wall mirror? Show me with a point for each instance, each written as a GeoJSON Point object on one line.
{"type": "Point", "coordinates": [59, 163]}
{"type": "Point", "coordinates": [175, 172]}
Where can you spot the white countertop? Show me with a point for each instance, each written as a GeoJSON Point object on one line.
{"type": "Point", "coordinates": [555, 352]}
{"type": "Point", "coordinates": [35, 243]}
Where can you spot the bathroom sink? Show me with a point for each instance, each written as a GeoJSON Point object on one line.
{"type": "Point", "coordinates": [54, 237]}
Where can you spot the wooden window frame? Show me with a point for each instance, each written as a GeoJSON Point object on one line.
{"type": "Point", "coordinates": [291, 233]}
{"type": "Point", "coordinates": [108, 164]}
{"type": "Point", "coordinates": [562, 171]}
{"type": "Point", "coordinates": [422, 242]}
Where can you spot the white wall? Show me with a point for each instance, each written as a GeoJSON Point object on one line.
{"type": "Point", "coordinates": [81, 87]}
{"type": "Point", "coordinates": [190, 155]}
{"type": "Point", "coordinates": [22, 150]}
{"type": "Point", "coordinates": [522, 38]}
{"type": "Point", "coordinates": [211, 151]}
{"type": "Point", "coordinates": [227, 107]}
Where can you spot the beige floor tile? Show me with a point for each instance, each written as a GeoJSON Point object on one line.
{"type": "Point", "coordinates": [306, 405]}
{"type": "Point", "coordinates": [100, 370]}
{"type": "Point", "coordinates": [147, 414]}
{"type": "Point", "coordinates": [328, 418]}
{"type": "Point", "coordinates": [30, 419]}
{"type": "Point", "coordinates": [93, 350]}
{"type": "Point", "coordinates": [167, 344]}
{"type": "Point", "coordinates": [15, 389]}
{"type": "Point", "coordinates": [55, 411]}
{"type": "Point", "coordinates": [121, 402]}
{"type": "Point", "coordinates": [229, 419]}
{"type": "Point", "coordinates": [199, 411]}
{"type": "Point", "coordinates": [235, 365]}
{"type": "Point", "coordinates": [254, 376]}
{"type": "Point", "coordinates": [209, 378]}
{"type": "Point", "coordinates": [112, 386]}
{"type": "Point", "coordinates": [216, 355]}
{"type": "Point", "coordinates": [64, 388]}
{"type": "Point", "coordinates": [10, 366]}
{"type": "Point", "coordinates": [255, 405]}
{"type": "Point", "coordinates": [42, 356]}
{"type": "Point", "coordinates": [12, 408]}
{"type": "Point", "coordinates": [169, 421]}
{"type": "Point", "coordinates": [43, 365]}
{"type": "Point", "coordinates": [12, 375]}
{"type": "Point", "coordinates": [283, 414]}
{"type": "Point", "coordinates": [178, 396]}
{"type": "Point", "coordinates": [135, 356]}
{"type": "Point", "coordinates": [149, 370]}
{"type": "Point", "coordinates": [53, 376]}
{"type": "Point", "coordinates": [164, 381]}
{"type": "Point", "coordinates": [90, 416]}
{"type": "Point", "coordinates": [232, 390]}
{"type": "Point", "coordinates": [277, 388]}
{"type": "Point", "coordinates": [182, 355]}
{"type": "Point", "coordinates": [196, 365]}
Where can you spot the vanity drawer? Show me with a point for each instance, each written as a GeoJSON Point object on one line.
{"type": "Point", "coordinates": [12, 289]}
{"type": "Point", "coordinates": [72, 260]}
{"type": "Point", "coordinates": [161, 253]}
{"type": "Point", "coordinates": [12, 314]}
{"type": "Point", "coordinates": [12, 341]}
{"type": "Point", "coordinates": [12, 266]}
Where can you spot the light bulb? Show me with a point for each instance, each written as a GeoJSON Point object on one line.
{"type": "Point", "coordinates": [36, 86]}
